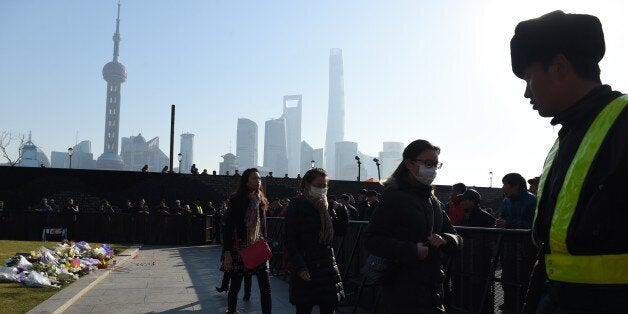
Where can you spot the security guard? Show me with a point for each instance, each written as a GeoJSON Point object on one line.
{"type": "Point", "coordinates": [581, 222]}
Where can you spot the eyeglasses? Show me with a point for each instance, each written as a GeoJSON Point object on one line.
{"type": "Point", "coordinates": [430, 163]}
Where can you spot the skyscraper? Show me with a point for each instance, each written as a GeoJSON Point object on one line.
{"type": "Point", "coordinates": [32, 156]}
{"type": "Point", "coordinates": [81, 159]}
{"type": "Point", "coordinates": [336, 111]}
{"type": "Point", "coordinates": [390, 158]}
{"type": "Point", "coordinates": [292, 114]}
{"type": "Point", "coordinates": [346, 165]}
{"type": "Point", "coordinates": [246, 143]}
{"type": "Point", "coordinates": [275, 149]}
{"type": "Point", "coordinates": [115, 74]}
{"type": "Point", "coordinates": [187, 150]}
{"type": "Point", "coordinates": [136, 152]}
{"type": "Point", "coordinates": [229, 164]}
{"type": "Point", "coordinates": [308, 154]}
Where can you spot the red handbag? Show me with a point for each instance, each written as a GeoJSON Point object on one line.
{"type": "Point", "coordinates": [256, 254]}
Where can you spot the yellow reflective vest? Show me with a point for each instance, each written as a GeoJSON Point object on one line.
{"type": "Point", "coordinates": [560, 265]}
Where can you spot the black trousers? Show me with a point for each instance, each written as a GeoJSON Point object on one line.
{"type": "Point", "coordinates": [263, 281]}
{"type": "Point", "coordinates": [324, 309]}
{"type": "Point", "coordinates": [247, 283]}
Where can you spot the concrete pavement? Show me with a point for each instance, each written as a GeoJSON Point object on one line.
{"type": "Point", "coordinates": [172, 279]}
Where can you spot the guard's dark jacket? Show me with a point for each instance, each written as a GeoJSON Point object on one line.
{"type": "Point", "coordinates": [408, 215]}
{"type": "Point", "coordinates": [301, 238]}
{"type": "Point", "coordinates": [600, 221]}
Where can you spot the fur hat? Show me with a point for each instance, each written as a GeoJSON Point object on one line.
{"type": "Point", "coordinates": [577, 36]}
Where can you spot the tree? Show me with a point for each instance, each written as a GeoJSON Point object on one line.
{"type": "Point", "coordinates": [7, 141]}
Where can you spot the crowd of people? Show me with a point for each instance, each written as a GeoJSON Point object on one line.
{"type": "Point", "coordinates": [193, 208]}
{"type": "Point", "coordinates": [359, 207]}
{"type": "Point", "coordinates": [575, 210]}
{"type": "Point", "coordinates": [407, 211]}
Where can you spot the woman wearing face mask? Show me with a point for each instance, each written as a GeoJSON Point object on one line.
{"type": "Point", "coordinates": [411, 231]}
{"type": "Point", "coordinates": [309, 229]}
{"type": "Point", "coordinates": [244, 225]}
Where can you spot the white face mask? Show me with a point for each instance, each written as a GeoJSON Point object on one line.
{"type": "Point", "coordinates": [426, 175]}
{"type": "Point", "coordinates": [318, 192]}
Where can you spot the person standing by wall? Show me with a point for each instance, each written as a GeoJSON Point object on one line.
{"type": "Point", "coordinates": [517, 212]}
{"type": "Point", "coordinates": [453, 208]}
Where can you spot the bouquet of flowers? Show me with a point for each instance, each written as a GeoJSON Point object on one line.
{"type": "Point", "coordinates": [63, 263]}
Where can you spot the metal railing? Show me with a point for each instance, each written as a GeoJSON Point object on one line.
{"type": "Point", "coordinates": [490, 272]}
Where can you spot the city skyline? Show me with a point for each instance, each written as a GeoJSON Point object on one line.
{"type": "Point", "coordinates": [413, 76]}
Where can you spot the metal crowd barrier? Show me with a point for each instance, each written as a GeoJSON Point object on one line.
{"type": "Point", "coordinates": [490, 272]}
{"type": "Point", "coordinates": [110, 228]}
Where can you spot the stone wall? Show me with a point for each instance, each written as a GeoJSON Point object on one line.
{"type": "Point", "coordinates": [23, 188]}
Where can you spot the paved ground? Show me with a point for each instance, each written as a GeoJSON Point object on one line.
{"type": "Point", "coordinates": [172, 279]}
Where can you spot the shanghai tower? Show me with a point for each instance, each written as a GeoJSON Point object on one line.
{"type": "Point", "coordinates": [336, 111]}
{"type": "Point", "coordinates": [115, 74]}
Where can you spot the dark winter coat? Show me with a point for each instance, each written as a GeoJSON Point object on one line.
{"type": "Point", "coordinates": [301, 227]}
{"type": "Point", "coordinates": [235, 230]}
{"type": "Point", "coordinates": [363, 208]}
{"type": "Point", "coordinates": [407, 215]}
{"type": "Point", "coordinates": [477, 217]}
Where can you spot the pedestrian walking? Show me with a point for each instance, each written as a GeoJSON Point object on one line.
{"type": "Point", "coordinates": [309, 229]}
{"type": "Point", "coordinates": [245, 225]}
{"type": "Point", "coordinates": [412, 232]}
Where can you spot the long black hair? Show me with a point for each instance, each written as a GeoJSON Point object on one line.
{"type": "Point", "coordinates": [243, 190]}
{"type": "Point", "coordinates": [402, 174]}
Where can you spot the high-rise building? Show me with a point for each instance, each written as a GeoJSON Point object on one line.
{"type": "Point", "coordinates": [308, 154]}
{"type": "Point", "coordinates": [292, 113]}
{"type": "Point", "coordinates": [229, 164]}
{"type": "Point", "coordinates": [346, 165]}
{"type": "Point", "coordinates": [115, 74]}
{"type": "Point", "coordinates": [336, 111]}
{"type": "Point", "coordinates": [368, 169]}
{"type": "Point", "coordinates": [32, 156]}
{"type": "Point", "coordinates": [390, 157]}
{"type": "Point", "coordinates": [137, 152]}
{"type": "Point", "coordinates": [82, 158]}
{"type": "Point", "coordinates": [187, 150]}
{"type": "Point", "coordinates": [275, 148]}
{"type": "Point", "coordinates": [246, 143]}
{"type": "Point", "coordinates": [319, 157]}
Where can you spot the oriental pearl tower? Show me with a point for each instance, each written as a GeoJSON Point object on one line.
{"type": "Point", "coordinates": [115, 74]}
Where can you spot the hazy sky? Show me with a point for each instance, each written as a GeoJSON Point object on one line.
{"type": "Point", "coordinates": [437, 70]}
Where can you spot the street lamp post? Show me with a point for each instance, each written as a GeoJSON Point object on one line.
{"type": "Point", "coordinates": [313, 164]}
{"type": "Point", "coordinates": [359, 163]}
{"type": "Point", "coordinates": [379, 176]}
{"type": "Point", "coordinates": [70, 153]}
{"type": "Point", "coordinates": [180, 157]}
{"type": "Point", "coordinates": [490, 177]}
